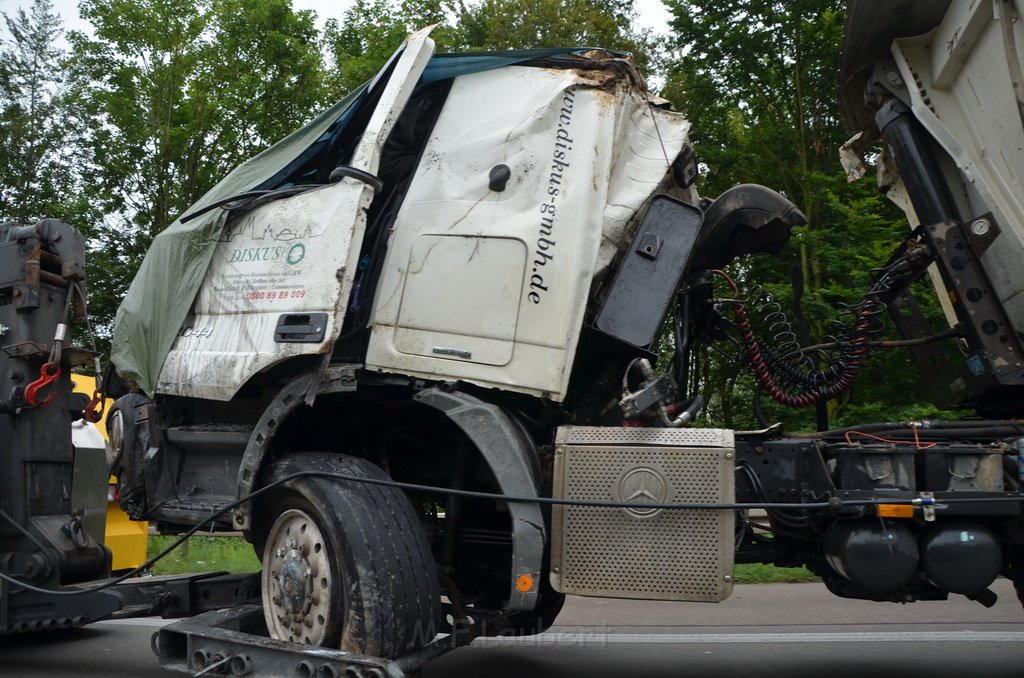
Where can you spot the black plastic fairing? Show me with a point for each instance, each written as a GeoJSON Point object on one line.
{"type": "Point", "coordinates": [745, 219]}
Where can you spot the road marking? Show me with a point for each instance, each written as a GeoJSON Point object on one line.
{"type": "Point", "coordinates": [138, 621]}
{"type": "Point", "coordinates": [596, 638]}
{"type": "Point", "coordinates": [591, 638]}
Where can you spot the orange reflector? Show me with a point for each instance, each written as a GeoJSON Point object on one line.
{"type": "Point", "coordinates": [895, 511]}
{"type": "Point", "coordinates": [524, 583]}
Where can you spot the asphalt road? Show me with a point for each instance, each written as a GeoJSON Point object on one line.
{"type": "Point", "coordinates": [769, 630]}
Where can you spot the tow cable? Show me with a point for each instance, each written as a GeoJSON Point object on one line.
{"type": "Point", "coordinates": [833, 504]}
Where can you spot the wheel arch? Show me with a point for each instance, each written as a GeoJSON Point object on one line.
{"type": "Point", "coordinates": [334, 379]}
{"type": "Point", "coordinates": [504, 446]}
{"type": "Point", "coordinates": [513, 460]}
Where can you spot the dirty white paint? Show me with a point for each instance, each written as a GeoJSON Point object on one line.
{"type": "Point", "coordinates": [296, 255]}
{"type": "Point", "coordinates": [482, 282]}
{"type": "Point", "coordinates": [584, 150]}
{"type": "Point", "coordinates": [482, 277]}
{"type": "Point", "coordinates": [960, 85]}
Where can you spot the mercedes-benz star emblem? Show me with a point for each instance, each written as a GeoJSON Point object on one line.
{"type": "Point", "coordinates": [643, 485]}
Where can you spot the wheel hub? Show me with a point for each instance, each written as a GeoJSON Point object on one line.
{"type": "Point", "coordinates": [296, 580]}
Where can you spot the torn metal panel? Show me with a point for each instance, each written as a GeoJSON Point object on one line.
{"type": "Point", "coordinates": [513, 263]}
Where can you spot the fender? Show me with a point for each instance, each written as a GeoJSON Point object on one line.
{"type": "Point", "coordinates": [745, 219]}
{"type": "Point", "coordinates": [507, 450]}
{"type": "Point", "coordinates": [333, 379]}
{"type": "Point", "coordinates": [513, 460]}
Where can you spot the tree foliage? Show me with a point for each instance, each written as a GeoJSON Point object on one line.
{"type": "Point", "coordinates": [361, 43]}
{"type": "Point", "coordinates": [757, 79]}
{"type": "Point", "coordinates": [181, 91]}
{"type": "Point", "coordinates": [370, 31]}
{"type": "Point", "coordinates": [38, 156]}
{"type": "Point", "coordinates": [501, 24]}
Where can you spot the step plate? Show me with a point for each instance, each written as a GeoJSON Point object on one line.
{"type": "Point", "coordinates": [641, 552]}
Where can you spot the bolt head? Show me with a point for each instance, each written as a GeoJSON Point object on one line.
{"type": "Point", "coordinates": [981, 227]}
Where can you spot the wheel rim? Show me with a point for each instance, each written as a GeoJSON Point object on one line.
{"type": "Point", "coordinates": [297, 580]}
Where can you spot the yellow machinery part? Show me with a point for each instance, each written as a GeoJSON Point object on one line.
{"type": "Point", "coordinates": [127, 539]}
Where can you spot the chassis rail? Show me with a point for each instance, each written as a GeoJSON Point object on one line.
{"type": "Point", "coordinates": [232, 642]}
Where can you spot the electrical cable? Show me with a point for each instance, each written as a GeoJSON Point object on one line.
{"type": "Point", "coordinates": [916, 441]}
{"type": "Point", "coordinates": [149, 563]}
{"type": "Point", "coordinates": [803, 329]}
{"type": "Point", "coordinates": [925, 425]}
{"type": "Point", "coordinates": [955, 331]}
{"type": "Point", "coordinates": [788, 373]}
{"type": "Point", "coordinates": [794, 526]}
{"type": "Point", "coordinates": [831, 504]}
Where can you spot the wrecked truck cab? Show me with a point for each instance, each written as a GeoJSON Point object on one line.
{"type": "Point", "coordinates": [423, 284]}
{"type": "Point", "coordinates": [524, 177]}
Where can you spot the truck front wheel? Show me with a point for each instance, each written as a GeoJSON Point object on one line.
{"type": "Point", "coordinates": [345, 564]}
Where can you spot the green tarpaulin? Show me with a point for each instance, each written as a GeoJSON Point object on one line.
{"type": "Point", "coordinates": [157, 303]}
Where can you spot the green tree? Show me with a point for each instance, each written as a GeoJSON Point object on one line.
{"type": "Point", "coordinates": [371, 30]}
{"type": "Point", "coordinates": [180, 91]}
{"type": "Point", "coordinates": [501, 24]}
{"type": "Point", "coordinates": [39, 153]}
{"type": "Point", "coordinates": [272, 81]}
{"type": "Point", "coordinates": [757, 79]}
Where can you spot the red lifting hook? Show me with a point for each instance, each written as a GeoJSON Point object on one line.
{"type": "Point", "coordinates": [48, 374]}
{"type": "Point", "coordinates": [94, 410]}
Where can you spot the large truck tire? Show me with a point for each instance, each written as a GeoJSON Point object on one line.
{"type": "Point", "coordinates": [345, 564]}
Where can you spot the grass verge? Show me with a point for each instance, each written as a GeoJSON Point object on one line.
{"type": "Point", "coordinates": [757, 573]}
{"type": "Point", "coordinates": [204, 554]}
{"type": "Point", "coordinates": [234, 554]}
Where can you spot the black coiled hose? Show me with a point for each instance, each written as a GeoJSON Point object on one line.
{"type": "Point", "coordinates": [785, 371]}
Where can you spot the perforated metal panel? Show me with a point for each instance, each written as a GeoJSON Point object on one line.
{"type": "Point", "coordinates": [636, 435]}
{"type": "Point", "coordinates": [640, 552]}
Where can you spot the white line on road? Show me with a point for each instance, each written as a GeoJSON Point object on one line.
{"type": "Point", "coordinates": [137, 621]}
{"type": "Point", "coordinates": [591, 638]}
